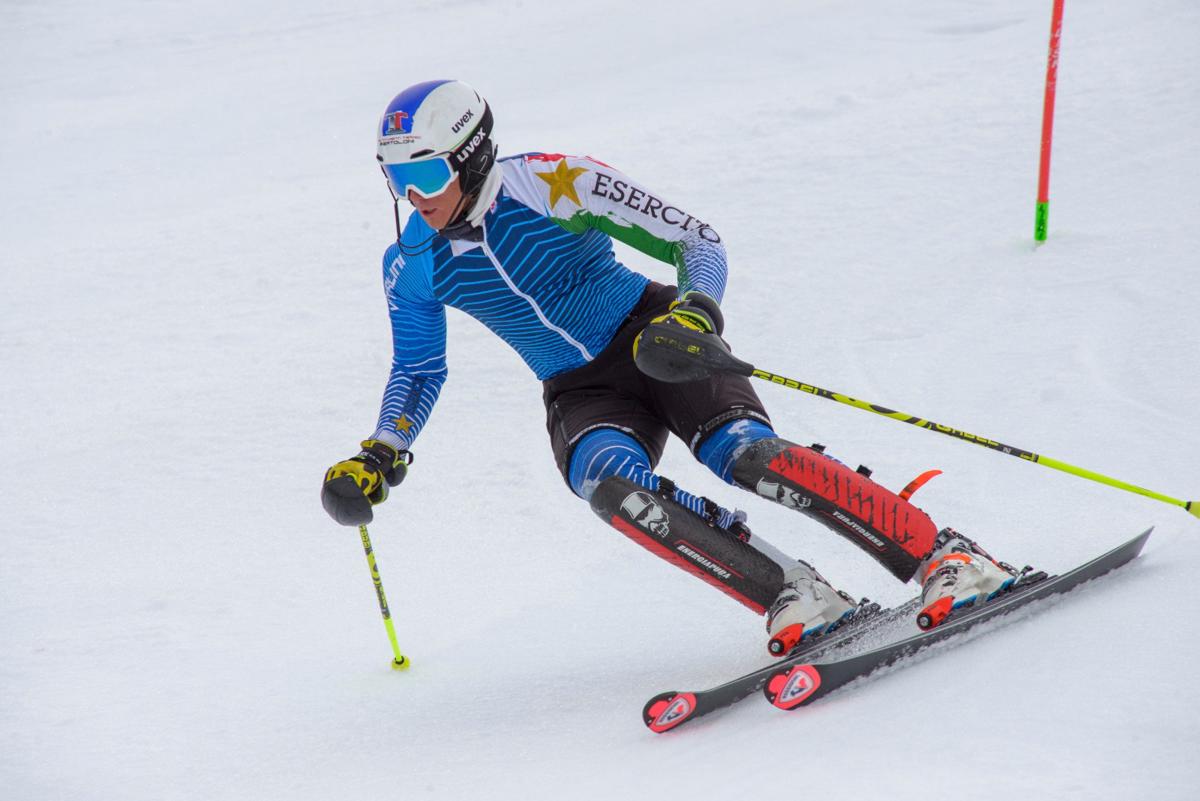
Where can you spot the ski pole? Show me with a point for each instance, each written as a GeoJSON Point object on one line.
{"type": "Point", "coordinates": [400, 662]}
{"type": "Point", "coordinates": [685, 355]}
{"type": "Point", "coordinates": [1191, 506]}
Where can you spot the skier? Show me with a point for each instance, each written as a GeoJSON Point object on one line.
{"type": "Point", "coordinates": [524, 244]}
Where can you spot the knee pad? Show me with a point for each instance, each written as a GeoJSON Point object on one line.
{"type": "Point", "coordinates": [602, 453]}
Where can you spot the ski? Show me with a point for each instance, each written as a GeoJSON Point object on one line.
{"type": "Point", "coordinates": [803, 682]}
{"type": "Point", "coordinates": [669, 710]}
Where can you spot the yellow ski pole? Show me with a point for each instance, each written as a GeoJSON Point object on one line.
{"type": "Point", "coordinates": [400, 662]}
{"type": "Point", "coordinates": [675, 354]}
{"type": "Point", "coordinates": [1192, 507]}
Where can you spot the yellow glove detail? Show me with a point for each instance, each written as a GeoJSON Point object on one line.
{"type": "Point", "coordinates": [354, 485]}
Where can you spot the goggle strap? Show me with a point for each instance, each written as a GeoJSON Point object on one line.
{"type": "Point", "coordinates": [387, 181]}
{"type": "Point", "coordinates": [396, 214]}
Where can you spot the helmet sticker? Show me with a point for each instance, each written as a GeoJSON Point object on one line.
{"type": "Point", "coordinates": [463, 120]}
{"type": "Point", "coordinates": [395, 123]}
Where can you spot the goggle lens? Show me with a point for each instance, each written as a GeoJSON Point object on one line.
{"type": "Point", "coordinates": [428, 178]}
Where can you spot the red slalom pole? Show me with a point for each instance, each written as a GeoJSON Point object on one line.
{"type": "Point", "coordinates": [1042, 215]}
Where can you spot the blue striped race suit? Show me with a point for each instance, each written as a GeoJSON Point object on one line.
{"type": "Point", "coordinates": [544, 278]}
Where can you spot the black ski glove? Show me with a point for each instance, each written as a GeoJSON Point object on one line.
{"type": "Point", "coordinates": [356, 484]}
{"type": "Point", "coordinates": [679, 346]}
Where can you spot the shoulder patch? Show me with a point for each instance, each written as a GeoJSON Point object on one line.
{"type": "Point", "coordinates": [561, 181]}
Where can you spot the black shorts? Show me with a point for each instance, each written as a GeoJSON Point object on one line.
{"type": "Point", "coordinates": [611, 392]}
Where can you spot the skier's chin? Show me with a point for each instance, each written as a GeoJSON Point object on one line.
{"type": "Point", "coordinates": [436, 218]}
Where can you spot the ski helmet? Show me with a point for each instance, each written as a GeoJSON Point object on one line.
{"type": "Point", "coordinates": [434, 133]}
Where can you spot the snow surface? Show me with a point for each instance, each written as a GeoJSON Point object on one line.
{"type": "Point", "coordinates": [192, 330]}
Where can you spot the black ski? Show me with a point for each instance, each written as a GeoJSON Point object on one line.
{"type": "Point", "coordinates": [668, 710]}
{"type": "Point", "coordinates": [799, 684]}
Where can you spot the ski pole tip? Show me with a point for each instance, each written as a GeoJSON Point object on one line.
{"type": "Point", "coordinates": [400, 664]}
{"type": "Point", "coordinates": [1193, 508]}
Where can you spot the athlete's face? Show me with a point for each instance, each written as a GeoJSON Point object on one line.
{"type": "Point", "coordinates": [437, 210]}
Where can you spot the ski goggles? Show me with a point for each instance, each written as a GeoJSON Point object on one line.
{"type": "Point", "coordinates": [427, 177]}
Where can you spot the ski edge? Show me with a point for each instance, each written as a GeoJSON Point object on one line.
{"type": "Point", "coordinates": [790, 687]}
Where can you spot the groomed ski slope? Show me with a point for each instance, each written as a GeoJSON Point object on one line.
{"type": "Point", "coordinates": [192, 330]}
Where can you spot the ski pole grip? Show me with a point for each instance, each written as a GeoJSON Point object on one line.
{"type": "Point", "coordinates": [675, 354]}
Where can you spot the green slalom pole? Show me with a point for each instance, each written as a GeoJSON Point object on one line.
{"type": "Point", "coordinates": [1192, 507]}
{"type": "Point", "coordinates": [400, 661]}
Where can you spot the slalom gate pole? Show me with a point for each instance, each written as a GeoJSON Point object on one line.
{"type": "Point", "coordinates": [400, 662]}
{"type": "Point", "coordinates": [1042, 215]}
{"type": "Point", "coordinates": [1191, 506]}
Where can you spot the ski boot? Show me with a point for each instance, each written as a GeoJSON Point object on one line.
{"type": "Point", "coordinates": [807, 606]}
{"type": "Point", "coordinates": [957, 573]}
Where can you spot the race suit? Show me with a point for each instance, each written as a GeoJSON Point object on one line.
{"type": "Point", "coordinates": [544, 277]}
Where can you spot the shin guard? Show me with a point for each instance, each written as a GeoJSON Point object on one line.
{"type": "Point", "coordinates": [880, 522]}
{"type": "Point", "coordinates": [685, 539]}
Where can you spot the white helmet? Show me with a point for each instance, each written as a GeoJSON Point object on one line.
{"type": "Point", "coordinates": [434, 133]}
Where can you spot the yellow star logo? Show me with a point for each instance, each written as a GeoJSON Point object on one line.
{"type": "Point", "coordinates": [403, 423]}
{"type": "Point", "coordinates": [562, 182]}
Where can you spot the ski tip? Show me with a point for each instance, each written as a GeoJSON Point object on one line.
{"type": "Point", "coordinates": [667, 710]}
{"type": "Point", "coordinates": [788, 689]}
{"type": "Point", "coordinates": [1139, 541]}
